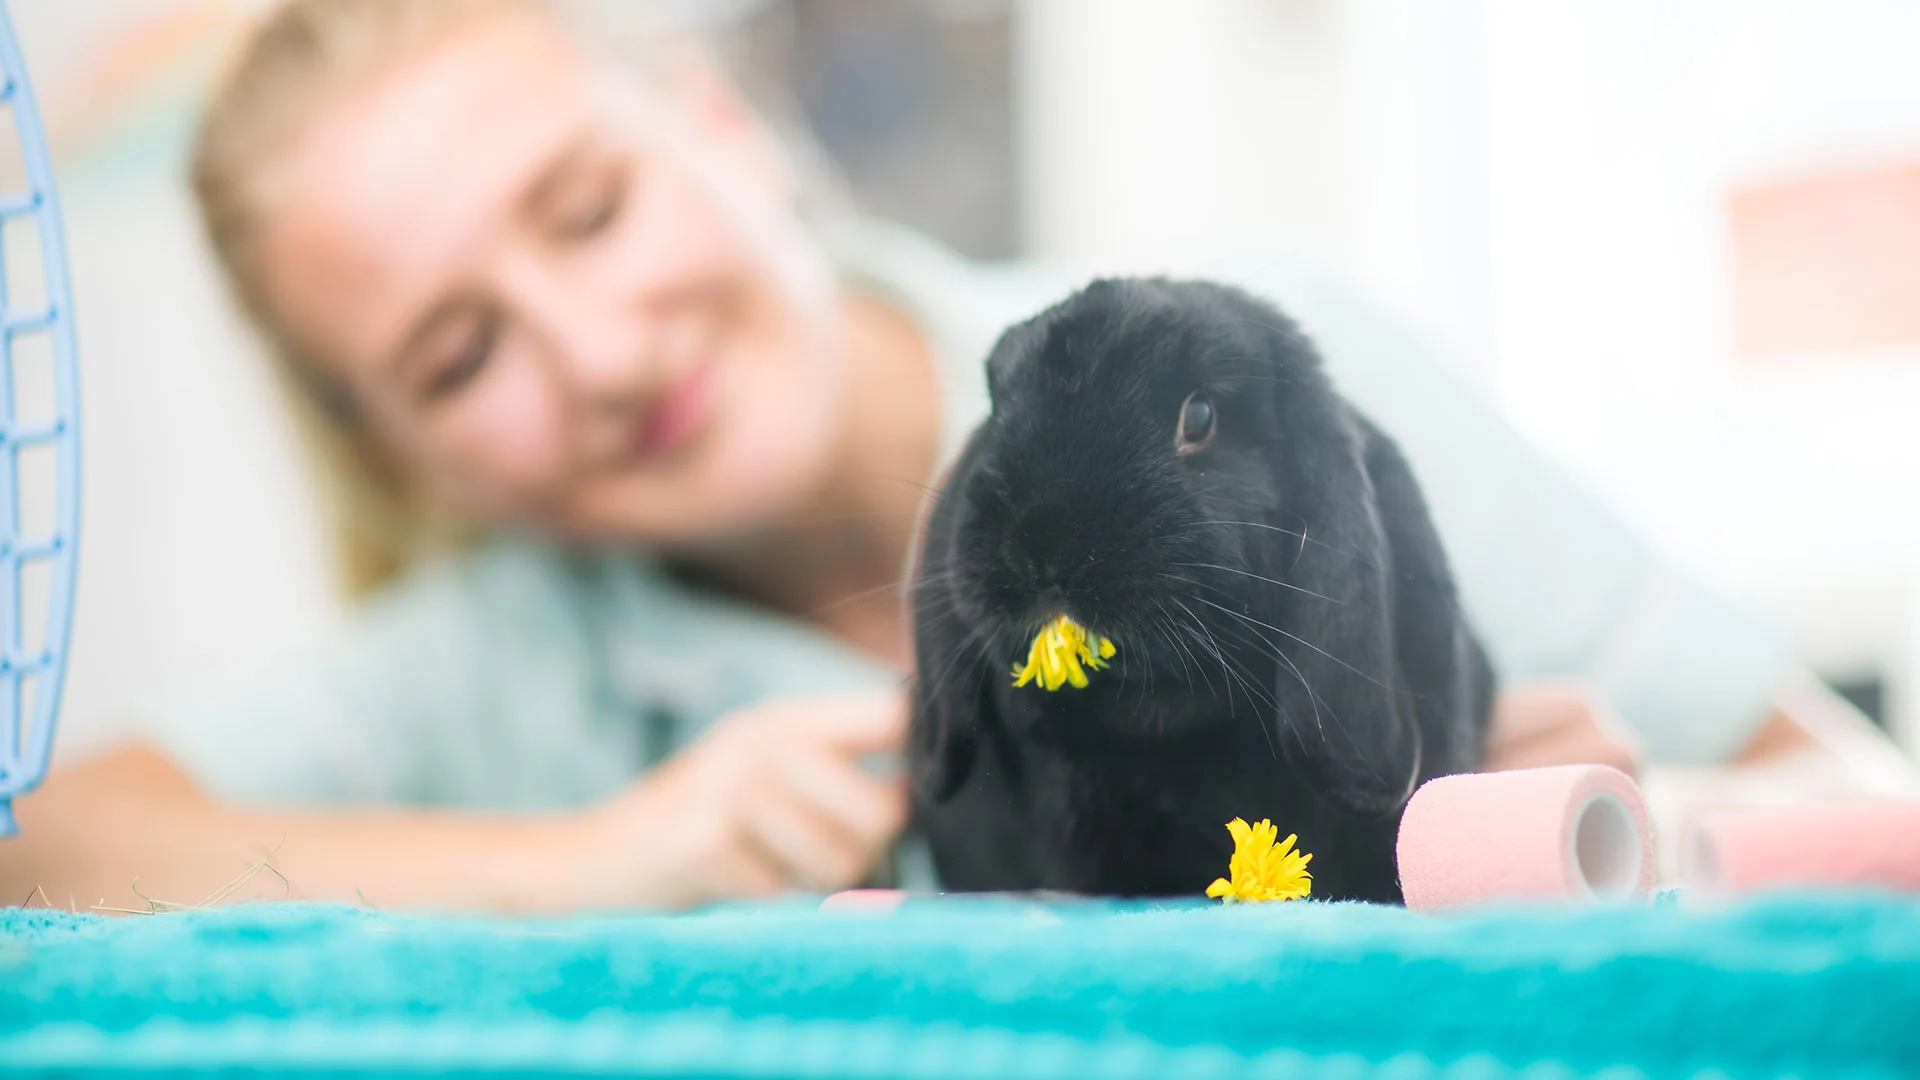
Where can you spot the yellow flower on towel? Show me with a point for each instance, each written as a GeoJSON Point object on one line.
{"type": "Point", "coordinates": [1259, 869]}
{"type": "Point", "coordinates": [1062, 652]}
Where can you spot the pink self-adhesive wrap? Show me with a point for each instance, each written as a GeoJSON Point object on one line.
{"type": "Point", "coordinates": [1569, 831]}
{"type": "Point", "coordinates": [1837, 844]}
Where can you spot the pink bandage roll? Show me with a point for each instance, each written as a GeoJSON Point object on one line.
{"type": "Point", "coordinates": [1837, 844]}
{"type": "Point", "coordinates": [1571, 831]}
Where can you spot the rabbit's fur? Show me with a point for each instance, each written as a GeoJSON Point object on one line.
{"type": "Point", "coordinates": [1290, 645]}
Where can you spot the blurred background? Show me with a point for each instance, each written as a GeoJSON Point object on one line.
{"type": "Point", "coordinates": [1680, 239]}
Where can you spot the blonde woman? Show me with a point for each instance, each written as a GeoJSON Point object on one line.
{"type": "Point", "coordinates": [626, 460]}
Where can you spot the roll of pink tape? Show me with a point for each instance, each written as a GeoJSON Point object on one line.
{"type": "Point", "coordinates": [1571, 831]}
{"type": "Point", "coordinates": [1837, 844]}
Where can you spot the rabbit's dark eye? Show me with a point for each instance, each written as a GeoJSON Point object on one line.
{"type": "Point", "coordinates": [1196, 424]}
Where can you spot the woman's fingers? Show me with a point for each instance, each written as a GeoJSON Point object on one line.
{"type": "Point", "coordinates": [820, 814]}
{"type": "Point", "coordinates": [1557, 724]}
{"type": "Point", "coordinates": [748, 870]}
{"type": "Point", "coordinates": [788, 777]}
{"type": "Point", "coordinates": [869, 809]}
{"type": "Point", "coordinates": [1569, 749]}
{"type": "Point", "coordinates": [857, 724]}
{"type": "Point", "coordinates": [810, 851]}
{"type": "Point", "coordinates": [1528, 710]}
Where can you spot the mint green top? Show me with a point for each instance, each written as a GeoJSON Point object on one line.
{"type": "Point", "coordinates": [519, 675]}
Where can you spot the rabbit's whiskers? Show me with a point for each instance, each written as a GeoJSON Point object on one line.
{"type": "Point", "coordinates": [1279, 654]}
{"type": "Point", "coordinates": [1173, 642]}
{"type": "Point", "coordinates": [1266, 648]}
{"type": "Point", "coordinates": [1314, 701]}
{"type": "Point", "coordinates": [1207, 641]}
{"type": "Point", "coordinates": [1299, 534]}
{"type": "Point", "coordinates": [1196, 629]}
{"type": "Point", "coordinates": [1359, 750]}
{"type": "Point", "coordinates": [1303, 641]}
{"type": "Point", "coordinates": [1260, 577]}
{"type": "Point", "coordinates": [856, 597]}
{"type": "Point", "coordinates": [963, 651]}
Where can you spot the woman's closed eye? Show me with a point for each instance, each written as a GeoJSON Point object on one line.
{"type": "Point", "coordinates": [473, 347]}
{"type": "Point", "coordinates": [589, 207]}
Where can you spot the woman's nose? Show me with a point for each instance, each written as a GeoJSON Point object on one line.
{"type": "Point", "coordinates": [602, 351]}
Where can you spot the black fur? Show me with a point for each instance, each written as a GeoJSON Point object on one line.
{"type": "Point", "coordinates": [1290, 646]}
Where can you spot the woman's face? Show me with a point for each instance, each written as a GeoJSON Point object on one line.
{"type": "Point", "coordinates": [560, 298]}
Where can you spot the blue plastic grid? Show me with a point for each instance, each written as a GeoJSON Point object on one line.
{"type": "Point", "coordinates": [26, 733]}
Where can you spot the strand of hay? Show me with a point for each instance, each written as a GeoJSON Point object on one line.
{"type": "Point", "coordinates": [156, 906]}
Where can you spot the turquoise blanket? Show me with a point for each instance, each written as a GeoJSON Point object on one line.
{"type": "Point", "coordinates": [1809, 987]}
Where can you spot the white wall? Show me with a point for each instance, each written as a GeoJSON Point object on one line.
{"type": "Point", "coordinates": [199, 551]}
{"type": "Point", "coordinates": [1535, 180]}
{"type": "Point", "coordinates": [1342, 129]}
{"type": "Point", "coordinates": [1614, 133]}
{"type": "Point", "coordinates": [1540, 182]}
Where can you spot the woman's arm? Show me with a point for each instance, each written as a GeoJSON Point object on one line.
{"type": "Point", "coordinates": [773, 797]}
{"type": "Point", "coordinates": [1812, 742]}
{"type": "Point", "coordinates": [128, 825]}
{"type": "Point", "coordinates": [1820, 736]}
{"type": "Point", "coordinates": [1542, 722]}
{"type": "Point", "coordinates": [1812, 747]}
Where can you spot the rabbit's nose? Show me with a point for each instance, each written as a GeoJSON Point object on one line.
{"type": "Point", "coordinates": [1051, 565]}
{"type": "Point", "coordinates": [1050, 544]}
{"type": "Point", "coordinates": [1037, 569]}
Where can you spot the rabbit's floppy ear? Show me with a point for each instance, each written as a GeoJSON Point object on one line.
{"type": "Point", "coordinates": [1335, 630]}
{"type": "Point", "coordinates": [1435, 648]}
{"type": "Point", "coordinates": [948, 697]}
{"type": "Point", "coordinates": [943, 740]}
{"type": "Point", "coordinates": [1339, 630]}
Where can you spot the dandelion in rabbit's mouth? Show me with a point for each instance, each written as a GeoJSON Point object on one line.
{"type": "Point", "coordinates": [1062, 653]}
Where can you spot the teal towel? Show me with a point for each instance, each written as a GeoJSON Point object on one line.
{"type": "Point", "coordinates": [1800, 986]}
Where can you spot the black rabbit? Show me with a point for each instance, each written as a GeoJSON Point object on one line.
{"type": "Point", "coordinates": [1167, 464]}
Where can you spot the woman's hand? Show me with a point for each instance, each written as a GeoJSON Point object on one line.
{"type": "Point", "coordinates": [774, 797]}
{"type": "Point", "coordinates": [1557, 723]}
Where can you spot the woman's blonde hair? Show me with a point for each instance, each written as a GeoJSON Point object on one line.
{"type": "Point", "coordinates": [305, 53]}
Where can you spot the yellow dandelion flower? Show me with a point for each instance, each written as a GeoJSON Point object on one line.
{"type": "Point", "coordinates": [1062, 652]}
{"type": "Point", "coordinates": [1259, 869]}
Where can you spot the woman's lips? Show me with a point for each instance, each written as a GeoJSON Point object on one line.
{"type": "Point", "coordinates": [678, 414]}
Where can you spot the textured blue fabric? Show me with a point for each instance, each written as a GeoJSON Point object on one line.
{"type": "Point", "coordinates": [1810, 987]}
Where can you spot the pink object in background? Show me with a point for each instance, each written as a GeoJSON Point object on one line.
{"type": "Point", "coordinates": [1838, 844]}
{"type": "Point", "coordinates": [874, 900]}
{"type": "Point", "coordinates": [1569, 831]}
{"type": "Point", "coordinates": [1824, 264]}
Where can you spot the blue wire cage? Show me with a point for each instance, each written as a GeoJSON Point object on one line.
{"type": "Point", "coordinates": [37, 440]}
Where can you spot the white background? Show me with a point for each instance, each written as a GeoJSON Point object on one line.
{"type": "Point", "coordinates": [1540, 182]}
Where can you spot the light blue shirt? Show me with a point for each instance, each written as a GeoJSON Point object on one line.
{"type": "Point", "coordinates": [518, 675]}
